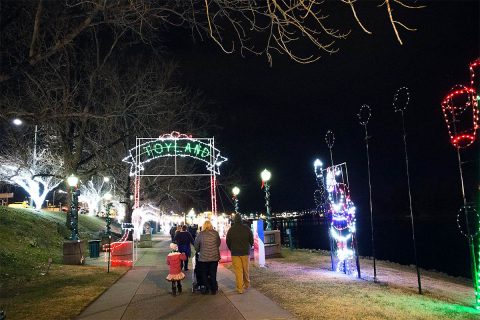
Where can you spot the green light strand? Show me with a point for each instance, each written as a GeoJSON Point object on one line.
{"type": "Point", "coordinates": [477, 271]}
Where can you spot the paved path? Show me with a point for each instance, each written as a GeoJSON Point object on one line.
{"type": "Point", "coordinates": [143, 293]}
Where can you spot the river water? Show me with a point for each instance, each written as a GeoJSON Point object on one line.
{"type": "Point", "coordinates": [440, 245]}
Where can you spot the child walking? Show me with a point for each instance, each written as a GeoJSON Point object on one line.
{"type": "Point", "coordinates": [175, 275]}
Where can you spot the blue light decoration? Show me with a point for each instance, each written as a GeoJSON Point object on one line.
{"type": "Point", "coordinates": [342, 221]}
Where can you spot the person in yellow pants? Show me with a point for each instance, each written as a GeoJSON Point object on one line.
{"type": "Point", "coordinates": [239, 242]}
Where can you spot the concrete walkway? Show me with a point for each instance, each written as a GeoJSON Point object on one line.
{"type": "Point", "coordinates": [143, 293]}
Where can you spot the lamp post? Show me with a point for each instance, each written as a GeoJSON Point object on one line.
{"type": "Point", "coordinates": [108, 197]}
{"type": "Point", "coordinates": [235, 192]}
{"type": "Point", "coordinates": [108, 205]}
{"type": "Point", "coordinates": [107, 180]}
{"type": "Point", "coordinates": [19, 122]}
{"type": "Point", "coordinates": [266, 175]}
{"type": "Point", "coordinates": [72, 182]}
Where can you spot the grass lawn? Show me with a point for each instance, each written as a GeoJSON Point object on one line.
{"type": "Point", "coordinates": [28, 240]}
{"type": "Point", "coordinates": [302, 283]}
{"type": "Point", "coordinates": [61, 294]}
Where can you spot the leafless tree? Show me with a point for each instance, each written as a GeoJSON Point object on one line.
{"type": "Point", "coordinates": [35, 31]}
{"type": "Point", "coordinates": [95, 112]}
{"type": "Point", "coordinates": [76, 68]}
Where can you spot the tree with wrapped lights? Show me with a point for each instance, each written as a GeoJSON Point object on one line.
{"type": "Point", "coordinates": [94, 114]}
{"type": "Point", "coordinates": [37, 180]}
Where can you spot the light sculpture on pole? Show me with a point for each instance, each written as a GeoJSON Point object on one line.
{"type": "Point", "coordinates": [364, 116]}
{"type": "Point", "coordinates": [73, 183]}
{"type": "Point", "coordinates": [462, 116]}
{"type": "Point", "coordinates": [235, 192]}
{"type": "Point", "coordinates": [400, 103]}
{"type": "Point", "coordinates": [266, 175]}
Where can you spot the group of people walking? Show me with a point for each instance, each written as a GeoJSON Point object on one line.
{"type": "Point", "coordinates": [207, 247]}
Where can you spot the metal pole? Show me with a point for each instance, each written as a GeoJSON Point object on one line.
{"type": "Point", "coordinates": [355, 243]}
{"type": "Point", "coordinates": [330, 140]}
{"type": "Point", "coordinates": [267, 205]}
{"type": "Point", "coordinates": [236, 205]}
{"type": "Point", "coordinates": [109, 250]}
{"type": "Point", "coordinates": [471, 244]}
{"type": "Point", "coordinates": [74, 214]}
{"type": "Point", "coordinates": [371, 206]}
{"type": "Point", "coordinates": [410, 203]}
{"type": "Point", "coordinates": [461, 176]}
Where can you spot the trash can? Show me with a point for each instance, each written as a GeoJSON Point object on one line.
{"type": "Point", "coordinates": [94, 247]}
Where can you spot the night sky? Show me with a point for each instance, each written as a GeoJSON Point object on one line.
{"type": "Point", "coordinates": [276, 117]}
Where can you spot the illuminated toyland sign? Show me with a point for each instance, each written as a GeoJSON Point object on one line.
{"type": "Point", "coordinates": [174, 145]}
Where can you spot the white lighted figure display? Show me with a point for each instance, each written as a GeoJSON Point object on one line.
{"type": "Point", "coordinates": [142, 215]}
{"type": "Point", "coordinates": [341, 212]}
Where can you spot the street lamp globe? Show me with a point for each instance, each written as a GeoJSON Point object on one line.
{"type": "Point", "coordinates": [108, 196]}
{"type": "Point", "coordinates": [106, 179]}
{"type": "Point", "coordinates": [17, 122]}
{"type": "Point", "coordinates": [266, 175]}
{"type": "Point", "coordinates": [236, 191]}
{"type": "Point", "coordinates": [72, 181]}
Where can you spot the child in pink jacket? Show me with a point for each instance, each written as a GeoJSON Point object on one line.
{"type": "Point", "coordinates": [175, 274]}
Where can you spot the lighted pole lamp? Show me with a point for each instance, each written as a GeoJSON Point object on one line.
{"type": "Point", "coordinates": [400, 103]}
{"type": "Point", "coordinates": [19, 122]}
{"type": "Point", "coordinates": [235, 192]}
{"type": "Point", "coordinates": [107, 180]}
{"type": "Point", "coordinates": [364, 116]}
{"type": "Point", "coordinates": [460, 109]}
{"type": "Point", "coordinates": [73, 182]}
{"type": "Point", "coordinates": [266, 175]}
{"type": "Point", "coordinates": [108, 205]}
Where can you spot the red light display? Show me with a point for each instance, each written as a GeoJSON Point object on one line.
{"type": "Point", "coordinates": [460, 109]}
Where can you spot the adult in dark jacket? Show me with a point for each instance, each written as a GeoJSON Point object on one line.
{"type": "Point", "coordinates": [193, 230]}
{"type": "Point", "coordinates": [172, 231]}
{"type": "Point", "coordinates": [239, 241]}
{"type": "Point", "coordinates": [184, 239]}
{"type": "Point", "coordinates": [207, 243]}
